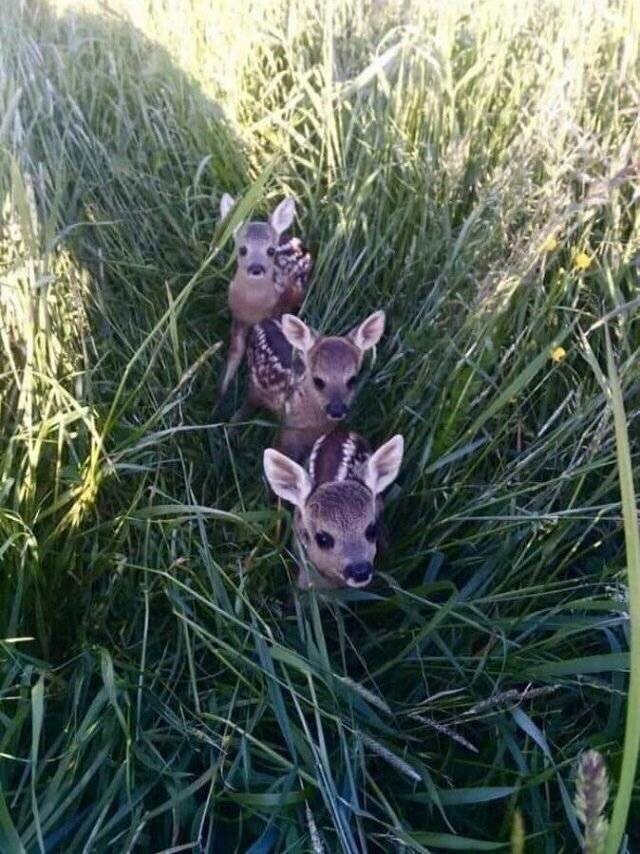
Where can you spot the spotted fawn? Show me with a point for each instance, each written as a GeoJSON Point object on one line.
{"type": "Point", "coordinates": [337, 501]}
{"type": "Point", "coordinates": [307, 379]}
{"type": "Point", "coordinates": [270, 278]}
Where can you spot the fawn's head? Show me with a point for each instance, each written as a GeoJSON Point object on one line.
{"type": "Point", "coordinates": [257, 242]}
{"type": "Point", "coordinates": [336, 522]}
{"type": "Point", "coordinates": [333, 363]}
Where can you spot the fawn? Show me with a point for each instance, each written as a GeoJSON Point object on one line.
{"type": "Point", "coordinates": [270, 278]}
{"type": "Point", "coordinates": [310, 396]}
{"type": "Point", "coordinates": [337, 505]}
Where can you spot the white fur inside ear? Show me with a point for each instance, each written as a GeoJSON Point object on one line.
{"type": "Point", "coordinates": [283, 215]}
{"type": "Point", "coordinates": [297, 333]}
{"type": "Point", "coordinates": [226, 203]}
{"type": "Point", "coordinates": [384, 465]}
{"type": "Point", "coordinates": [369, 332]}
{"type": "Point", "coordinates": [287, 479]}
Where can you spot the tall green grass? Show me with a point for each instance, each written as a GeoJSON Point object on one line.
{"type": "Point", "coordinates": [164, 686]}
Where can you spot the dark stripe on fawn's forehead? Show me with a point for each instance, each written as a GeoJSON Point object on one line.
{"type": "Point", "coordinates": [257, 231]}
{"type": "Point", "coordinates": [334, 354]}
{"type": "Point", "coordinates": [340, 504]}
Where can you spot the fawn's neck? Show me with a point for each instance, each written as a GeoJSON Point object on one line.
{"type": "Point", "coordinates": [303, 409]}
{"type": "Point", "coordinates": [252, 300]}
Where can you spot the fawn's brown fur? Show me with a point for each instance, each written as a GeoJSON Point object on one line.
{"type": "Point", "coordinates": [310, 393]}
{"type": "Point", "coordinates": [270, 277]}
{"type": "Point", "coordinates": [337, 505]}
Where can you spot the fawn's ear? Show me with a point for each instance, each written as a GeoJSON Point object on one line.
{"type": "Point", "coordinates": [383, 466]}
{"type": "Point", "coordinates": [297, 333]}
{"type": "Point", "coordinates": [369, 332]}
{"type": "Point", "coordinates": [226, 203]}
{"type": "Point", "coordinates": [282, 217]}
{"type": "Point", "coordinates": [287, 479]}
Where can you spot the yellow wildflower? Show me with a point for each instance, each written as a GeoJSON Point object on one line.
{"type": "Point", "coordinates": [558, 354]}
{"type": "Point", "coordinates": [550, 244]}
{"type": "Point", "coordinates": [581, 261]}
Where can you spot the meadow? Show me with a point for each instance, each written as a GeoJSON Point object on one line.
{"type": "Point", "coordinates": [472, 168]}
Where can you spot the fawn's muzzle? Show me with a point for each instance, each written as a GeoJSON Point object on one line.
{"type": "Point", "coordinates": [336, 409]}
{"type": "Point", "coordinates": [358, 574]}
{"type": "Point", "coordinates": [256, 270]}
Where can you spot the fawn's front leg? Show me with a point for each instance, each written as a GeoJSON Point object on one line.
{"type": "Point", "coordinates": [237, 347]}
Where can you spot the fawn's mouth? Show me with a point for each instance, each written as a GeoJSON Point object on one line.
{"type": "Point", "coordinates": [351, 582]}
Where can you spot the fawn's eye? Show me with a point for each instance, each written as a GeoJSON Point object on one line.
{"type": "Point", "coordinates": [271, 251]}
{"type": "Point", "coordinates": [242, 250]}
{"type": "Point", "coordinates": [319, 383]}
{"type": "Point", "coordinates": [371, 532]}
{"type": "Point", "coordinates": [324, 540]}
{"type": "Point", "coordinates": [352, 381]}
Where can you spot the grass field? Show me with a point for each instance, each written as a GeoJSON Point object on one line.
{"type": "Point", "coordinates": [469, 166]}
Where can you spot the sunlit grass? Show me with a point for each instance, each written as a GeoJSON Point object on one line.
{"type": "Point", "coordinates": [472, 169]}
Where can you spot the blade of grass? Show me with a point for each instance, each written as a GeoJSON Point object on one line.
{"type": "Point", "coordinates": [631, 745]}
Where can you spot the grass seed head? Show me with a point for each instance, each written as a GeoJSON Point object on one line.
{"type": "Point", "coordinates": [592, 794]}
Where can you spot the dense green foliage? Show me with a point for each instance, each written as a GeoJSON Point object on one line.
{"type": "Point", "coordinates": [470, 168]}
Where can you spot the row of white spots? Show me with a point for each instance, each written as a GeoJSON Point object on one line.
{"type": "Point", "coordinates": [267, 369]}
{"type": "Point", "coordinates": [314, 455]}
{"type": "Point", "coordinates": [293, 262]}
{"type": "Point", "coordinates": [348, 453]}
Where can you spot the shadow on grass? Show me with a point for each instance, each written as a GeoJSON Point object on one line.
{"type": "Point", "coordinates": [114, 164]}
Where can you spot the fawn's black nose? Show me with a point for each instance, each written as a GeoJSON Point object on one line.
{"type": "Point", "coordinates": [359, 573]}
{"type": "Point", "coordinates": [256, 270]}
{"type": "Point", "coordinates": [336, 409]}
